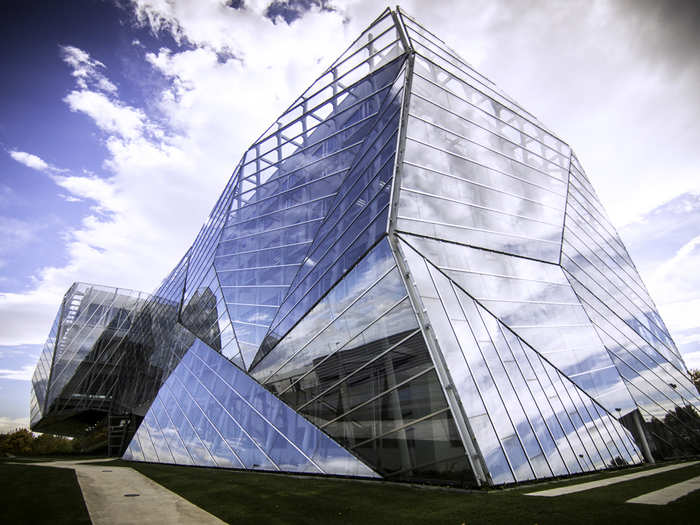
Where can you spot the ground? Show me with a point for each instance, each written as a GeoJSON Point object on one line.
{"type": "Point", "coordinates": [31, 494]}
{"type": "Point", "coordinates": [52, 496]}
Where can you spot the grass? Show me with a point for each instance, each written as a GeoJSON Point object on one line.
{"type": "Point", "coordinates": [37, 495]}
{"type": "Point", "coordinates": [44, 459]}
{"type": "Point", "coordinates": [250, 497]}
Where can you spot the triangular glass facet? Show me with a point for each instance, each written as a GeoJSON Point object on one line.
{"type": "Point", "coordinates": [210, 413]}
{"type": "Point", "coordinates": [357, 367]}
{"type": "Point", "coordinates": [529, 420]}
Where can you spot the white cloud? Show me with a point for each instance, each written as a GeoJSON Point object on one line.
{"type": "Point", "coordinates": [89, 187]}
{"type": "Point", "coordinates": [16, 234]}
{"type": "Point", "coordinates": [168, 161]}
{"type": "Point", "coordinates": [8, 424]}
{"type": "Point", "coordinates": [27, 317]}
{"type": "Point", "coordinates": [109, 115]}
{"type": "Point", "coordinates": [22, 374]}
{"type": "Point", "coordinates": [675, 285]}
{"type": "Point", "coordinates": [30, 160]}
{"type": "Point", "coordinates": [165, 167]}
{"type": "Point", "coordinates": [34, 162]}
{"type": "Point", "coordinates": [688, 338]}
{"type": "Point", "coordinates": [692, 360]}
{"type": "Point", "coordinates": [69, 198]}
{"type": "Point", "coordinates": [677, 279]}
{"type": "Point", "coordinates": [31, 351]}
{"type": "Point", "coordinates": [86, 70]}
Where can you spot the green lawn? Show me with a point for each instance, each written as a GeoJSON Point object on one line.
{"type": "Point", "coordinates": [35, 494]}
{"type": "Point", "coordinates": [38, 495]}
{"type": "Point", "coordinates": [44, 459]}
{"type": "Point", "coordinates": [248, 497]}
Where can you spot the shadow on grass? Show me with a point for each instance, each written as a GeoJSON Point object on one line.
{"type": "Point", "coordinates": [38, 495]}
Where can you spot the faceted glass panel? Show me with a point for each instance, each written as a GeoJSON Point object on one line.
{"type": "Point", "coordinates": [376, 265]}
{"type": "Point", "coordinates": [40, 378]}
{"type": "Point", "coordinates": [470, 178]}
{"type": "Point", "coordinates": [290, 194]}
{"type": "Point", "coordinates": [613, 295]}
{"type": "Point", "coordinates": [365, 376]}
{"type": "Point", "coordinates": [208, 412]}
{"type": "Point", "coordinates": [357, 218]}
{"type": "Point", "coordinates": [535, 300]}
{"type": "Point", "coordinates": [507, 400]}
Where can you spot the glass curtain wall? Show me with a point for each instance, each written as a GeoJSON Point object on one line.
{"type": "Point", "coordinates": [529, 419]}
{"type": "Point", "coordinates": [357, 218]}
{"type": "Point", "coordinates": [92, 317]}
{"type": "Point", "coordinates": [290, 178]}
{"type": "Point", "coordinates": [210, 413]}
{"type": "Point", "coordinates": [357, 367]}
{"type": "Point", "coordinates": [40, 378]}
{"type": "Point", "coordinates": [406, 276]}
{"type": "Point", "coordinates": [611, 291]}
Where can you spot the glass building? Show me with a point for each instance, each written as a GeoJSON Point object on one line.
{"type": "Point", "coordinates": [407, 277]}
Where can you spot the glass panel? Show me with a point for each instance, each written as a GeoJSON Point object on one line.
{"type": "Point", "coordinates": [430, 449]}
{"type": "Point", "coordinates": [614, 297]}
{"type": "Point", "coordinates": [134, 451]}
{"type": "Point", "coordinates": [309, 374]}
{"type": "Point", "coordinates": [378, 262]}
{"type": "Point", "coordinates": [357, 218]}
{"type": "Point", "coordinates": [472, 178]}
{"type": "Point", "coordinates": [536, 301]}
{"type": "Point", "coordinates": [147, 447]}
{"type": "Point", "coordinates": [517, 423]}
{"type": "Point", "coordinates": [294, 177]}
{"type": "Point", "coordinates": [177, 447]}
{"type": "Point", "coordinates": [159, 442]}
{"type": "Point", "coordinates": [214, 413]}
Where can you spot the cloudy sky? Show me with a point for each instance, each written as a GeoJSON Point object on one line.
{"type": "Point", "coordinates": [120, 122]}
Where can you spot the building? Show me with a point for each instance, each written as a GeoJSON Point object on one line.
{"type": "Point", "coordinates": [407, 277]}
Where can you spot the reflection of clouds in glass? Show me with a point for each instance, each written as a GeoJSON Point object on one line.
{"type": "Point", "coordinates": [615, 299]}
{"type": "Point", "coordinates": [498, 203]}
{"type": "Point", "coordinates": [517, 386]}
{"type": "Point", "coordinates": [329, 323]}
{"type": "Point", "coordinates": [286, 201]}
{"type": "Point", "coordinates": [208, 409]}
{"type": "Point", "coordinates": [535, 300]}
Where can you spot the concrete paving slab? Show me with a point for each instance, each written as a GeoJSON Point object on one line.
{"type": "Point", "coordinates": [121, 495]}
{"type": "Point", "coordinates": [580, 487]}
{"type": "Point", "coordinates": [668, 494]}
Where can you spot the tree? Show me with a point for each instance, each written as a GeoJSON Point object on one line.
{"type": "Point", "coordinates": [16, 443]}
{"type": "Point", "coordinates": [46, 444]}
{"type": "Point", "coordinates": [22, 442]}
{"type": "Point", "coordinates": [695, 376]}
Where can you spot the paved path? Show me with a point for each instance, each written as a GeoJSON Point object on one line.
{"type": "Point", "coordinates": [668, 494]}
{"type": "Point", "coordinates": [121, 495]}
{"type": "Point", "coordinates": [580, 487]}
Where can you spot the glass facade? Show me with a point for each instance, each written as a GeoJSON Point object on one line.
{"type": "Point", "coordinates": [209, 412]}
{"type": "Point", "coordinates": [407, 277]}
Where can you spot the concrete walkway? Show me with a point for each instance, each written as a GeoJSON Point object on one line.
{"type": "Point", "coordinates": [668, 494]}
{"type": "Point", "coordinates": [121, 495]}
{"type": "Point", "coordinates": [580, 487]}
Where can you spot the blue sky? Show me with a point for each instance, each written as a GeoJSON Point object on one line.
{"type": "Point", "coordinates": [120, 122]}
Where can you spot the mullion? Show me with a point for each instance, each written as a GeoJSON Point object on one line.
{"type": "Point", "coordinates": [482, 110]}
